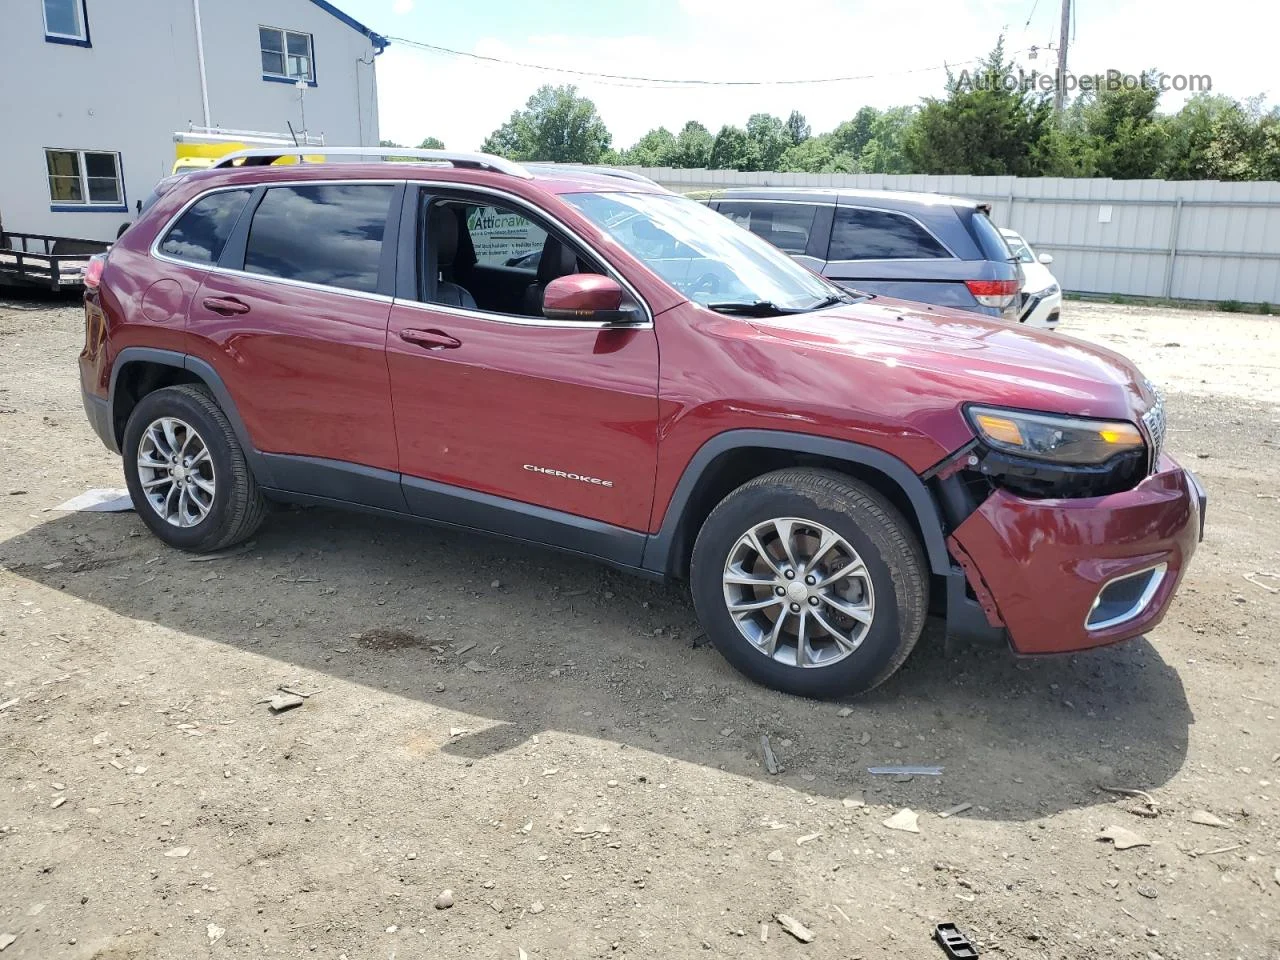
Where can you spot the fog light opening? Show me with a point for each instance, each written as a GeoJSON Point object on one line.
{"type": "Point", "coordinates": [1125, 598]}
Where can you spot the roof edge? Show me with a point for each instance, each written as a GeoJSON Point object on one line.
{"type": "Point", "coordinates": [378, 40]}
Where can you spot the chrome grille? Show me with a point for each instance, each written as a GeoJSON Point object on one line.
{"type": "Point", "coordinates": [1154, 422]}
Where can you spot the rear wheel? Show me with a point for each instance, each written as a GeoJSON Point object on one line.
{"type": "Point", "coordinates": [809, 582]}
{"type": "Point", "coordinates": [187, 473]}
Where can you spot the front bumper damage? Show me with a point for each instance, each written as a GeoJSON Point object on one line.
{"type": "Point", "coordinates": [1070, 574]}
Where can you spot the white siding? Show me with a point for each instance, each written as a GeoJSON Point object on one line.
{"type": "Point", "coordinates": [139, 83]}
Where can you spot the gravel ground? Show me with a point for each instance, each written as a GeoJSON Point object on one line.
{"type": "Point", "coordinates": [552, 742]}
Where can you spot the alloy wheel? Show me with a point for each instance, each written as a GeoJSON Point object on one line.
{"type": "Point", "coordinates": [799, 592]}
{"type": "Point", "coordinates": [176, 472]}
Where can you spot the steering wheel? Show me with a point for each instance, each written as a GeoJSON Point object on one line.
{"type": "Point", "coordinates": [707, 283]}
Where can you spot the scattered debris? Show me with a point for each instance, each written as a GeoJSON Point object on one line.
{"type": "Point", "coordinates": [865, 738]}
{"type": "Point", "coordinates": [6, 939]}
{"type": "Point", "coordinates": [1206, 819]}
{"type": "Point", "coordinates": [284, 701]}
{"type": "Point", "coordinates": [807, 838]}
{"type": "Point", "coordinates": [764, 927]}
{"type": "Point", "coordinates": [458, 731]}
{"type": "Point", "coordinates": [445, 900]}
{"type": "Point", "coordinates": [854, 800]}
{"type": "Point", "coordinates": [98, 500]}
{"type": "Point", "coordinates": [1123, 839]}
{"type": "Point", "coordinates": [296, 690]}
{"type": "Point", "coordinates": [463, 649]}
{"type": "Point", "coordinates": [1258, 583]}
{"type": "Point", "coordinates": [215, 932]}
{"type": "Point", "coordinates": [178, 852]}
{"type": "Point", "coordinates": [1276, 875]}
{"type": "Point", "coordinates": [536, 907]}
{"type": "Point", "coordinates": [775, 856]}
{"type": "Point", "coordinates": [1227, 849]}
{"type": "Point", "coordinates": [953, 942]}
{"type": "Point", "coordinates": [476, 667]}
{"type": "Point", "coordinates": [845, 712]}
{"type": "Point", "coordinates": [57, 802]}
{"type": "Point", "coordinates": [794, 927]}
{"type": "Point", "coordinates": [223, 554]}
{"type": "Point", "coordinates": [906, 771]}
{"type": "Point", "coordinates": [1148, 891]}
{"type": "Point", "coordinates": [770, 761]}
{"type": "Point", "coordinates": [957, 809]}
{"type": "Point", "coordinates": [10, 703]}
{"type": "Point", "coordinates": [905, 819]}
{"type": "Point", "coordinates": [1152, 807]}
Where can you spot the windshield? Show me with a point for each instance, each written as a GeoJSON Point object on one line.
{"type": "Point", "coordinates": [1020, 248]}
{"type": "Point", "coordinates": [705, 256]}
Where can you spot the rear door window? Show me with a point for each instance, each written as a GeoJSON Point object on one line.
{"type": "Point", "coordinates": [328, 234]}
{"type": "Point", "coordinates": [860, 234]}
{"type": "Point", "coordinates": [786, 225]}
{"type": "Point", "coordinates": [201, 232]}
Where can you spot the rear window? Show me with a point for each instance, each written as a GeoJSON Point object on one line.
{"type": "Point", "coordinates": [786, 225]}
{"type": "Point", "coordinates": [329, 234]}
{"type": "Point", "coordinates": [859, 234]}
{"type": "Point", "coordinates": [201, 232]}
{"type": "Point", "coordinates": [990, 242]}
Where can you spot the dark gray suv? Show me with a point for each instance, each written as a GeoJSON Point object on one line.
{"type": "Point", "coordinates": [914, 246]}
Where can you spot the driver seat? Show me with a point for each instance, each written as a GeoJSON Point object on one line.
{"type": "Point", "coordinates": [557, 260]}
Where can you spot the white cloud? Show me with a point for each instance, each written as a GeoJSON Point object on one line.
{"type": "Point", "coordinates": [462, 100]}
{"type": "Point", "coordinates": [402, 6]}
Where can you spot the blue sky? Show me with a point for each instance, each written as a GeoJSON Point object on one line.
{"type": "Point", "coordinates": [904, 43]}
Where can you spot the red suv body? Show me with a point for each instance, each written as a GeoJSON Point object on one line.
{"type": "Point", "coordinates": [580, 360]}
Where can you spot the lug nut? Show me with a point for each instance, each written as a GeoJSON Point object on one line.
{"type": "Point", "coordinates": [813, 601]}
{"type": "Point", "coordinates": [789, 574]}
{"type": "Point", "coordinates": [795, 608]}
{"type": "Point", "coordinates": [780, 591]}
{"type": "Point", "coordinates": [811, 579]}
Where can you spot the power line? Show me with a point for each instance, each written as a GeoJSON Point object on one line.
{"type": "Point", "coordinates": [630, 80]}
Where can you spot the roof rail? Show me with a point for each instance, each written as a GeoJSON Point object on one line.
{"type": "Point", "coordinates": [262, 156]}
{"type": "Point", "coordinates": [603, 171]}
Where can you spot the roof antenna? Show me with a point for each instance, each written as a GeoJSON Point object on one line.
{"type": "Point", "coordinates": [289, 123]}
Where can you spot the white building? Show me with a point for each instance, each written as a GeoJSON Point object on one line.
{"type": "Point", "coordinates": [94, 91]}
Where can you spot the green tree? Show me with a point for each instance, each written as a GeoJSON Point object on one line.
{"type": "Point", "coordinates": [882, 151]}
{"type": "Point", "coordinates": [731, 150]}
{"type": "Point", "coordinates": [389, 143]}
{"type": "Point", "coordinates": [655, 149]}
{"type": "Point", "coordinates": [1246, 143]}
{"type": "Point", "coordinates": [1121, 135]}
{"type": "Point", "coordinates": [798, 129]}
{"type": "Point", "coordinates": [555, 125]}
{"type": "Point", "coordinates": [693, 146]}
{"type": "Point", "coordinates": [984, 125]}
{"type": "Point", "coordinates": [818, 154]}
{"type": "Point", "coordinates": [768, 140]}
{"type": "Point", "coordinates": [431, 143]}
{"type": "Point", "coordinates": [852, 136]}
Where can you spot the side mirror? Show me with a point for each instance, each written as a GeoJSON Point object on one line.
{"type": "Point", "coordinates": [587, 297]}
{"type": "Point", "coordinates": [1045, 258]}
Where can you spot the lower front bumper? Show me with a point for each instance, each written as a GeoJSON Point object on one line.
{"type": "Point", "coordinates": [98, 410]}
{"type": "Point", "coordinates": [1038, 566]}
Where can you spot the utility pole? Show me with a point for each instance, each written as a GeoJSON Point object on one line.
{"type": "Point", "coordinates": [1059, 91]}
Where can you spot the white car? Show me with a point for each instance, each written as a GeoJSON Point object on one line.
{"type": "Point", "coordinates": [1041, 295]}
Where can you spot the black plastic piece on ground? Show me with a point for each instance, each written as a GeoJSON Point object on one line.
{"type": "Point", "coordinates": [954, 943]}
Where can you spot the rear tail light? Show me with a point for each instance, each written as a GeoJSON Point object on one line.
{"type": "Point", "coordinates": [93, 271]}
{"type": "Point", "coordinates": [994, 293]}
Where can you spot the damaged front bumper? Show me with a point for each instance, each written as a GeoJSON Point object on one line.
{"type": "Point", "coordinates": [1063, 575]}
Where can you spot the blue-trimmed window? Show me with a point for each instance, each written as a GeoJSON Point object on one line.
{"type": "Point", "coordinates": [287, 55]}
{"type": "Point", "coordinates": [66, 21]}
{"type": "Point", "coordinates": [84, 180]}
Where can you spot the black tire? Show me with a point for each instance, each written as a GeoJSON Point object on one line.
{"type": "Point", "coordinates": [238, 506]}
{"type": "Point", "coordinates": [871, 525]}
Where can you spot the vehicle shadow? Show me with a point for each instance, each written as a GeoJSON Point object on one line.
{"type": "Point", "coordinates": [537, 641]}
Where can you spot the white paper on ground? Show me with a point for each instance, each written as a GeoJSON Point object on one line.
{"type": "Point", "coordinates": [102, 500]}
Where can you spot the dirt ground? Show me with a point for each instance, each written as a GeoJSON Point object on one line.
{"type": "Point", "coordinates": [552, 741]}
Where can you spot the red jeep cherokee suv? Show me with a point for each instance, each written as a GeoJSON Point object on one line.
{"type": "Point", "coordinates": [581, 359]}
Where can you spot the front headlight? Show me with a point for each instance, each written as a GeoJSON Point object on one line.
{"type": "Point", "coordinates": [1058, 439]}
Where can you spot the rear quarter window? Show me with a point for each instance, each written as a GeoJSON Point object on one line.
{"type": "Point", "coordinates": [860, 234]}
{"type": "Point", "coordinates": [202, 232]}
{"type": "Point", "coordinates": [988, 238]}
{"type": "Point", "coordinates": [786, 225]}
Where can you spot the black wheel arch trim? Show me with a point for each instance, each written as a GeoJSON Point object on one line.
{"type": "Point", "coordinates": [660, 550]}
{"type": "Point", "coordinates": [206, 373]}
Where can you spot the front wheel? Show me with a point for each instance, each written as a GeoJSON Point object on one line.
{"type": "Point", "coordinates": [187, 473]}
{"type": "Point", "coordinates": [810, 582]}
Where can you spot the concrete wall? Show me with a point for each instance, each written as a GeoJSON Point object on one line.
{"type": "Point", "coordinates": [139, 83]}
{"type": "Point", "coordinates": [1196, 240]}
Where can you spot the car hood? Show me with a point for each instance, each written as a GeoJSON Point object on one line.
{"type": "Point", "coordinates": [1036, 277]}
{"type": "Point", "coordinates": [959, 357]}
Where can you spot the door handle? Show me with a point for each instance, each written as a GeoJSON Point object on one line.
{"type": "Point", "coordinates": [430, 339]}
{"type": "Point", "coordinates": [227, 306]}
